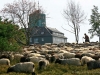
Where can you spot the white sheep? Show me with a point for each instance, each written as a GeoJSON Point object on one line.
{"type": "Point", "coordinates": [43, 63]}
{"type": "Point", "coordinates": [33, 54]}
{"type": "Point", "coordinates": [18, 56]}
{"type": "Point", "coordinates": [70, 61]}
{"type": "Point", "coordinates": [69, 55]}
{"type": "Point", "coordinates": [35, 59]}
{"type": "Point", "coordinates": [5, 61]}
{"type": "Point", "coordinates": [26, 67]}
{"type": "Point", "coordinates": [74, 61]}
{"type": "Point", "coordinates": [86, 59]}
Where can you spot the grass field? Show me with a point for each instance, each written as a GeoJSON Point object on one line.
{"type": "Point", "coordinates": [55, 69]}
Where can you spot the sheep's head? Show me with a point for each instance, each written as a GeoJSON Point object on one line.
{"type": "Point", "coordinates": [33, 73]}
{"type": "Point", "coordinates": [58, 61]}
{"type": "Point", "coordinates": [10, 69]}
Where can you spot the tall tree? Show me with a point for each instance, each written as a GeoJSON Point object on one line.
{"type": "Point", "coordinates": [74, 16]}
{"type": "Point", "coordinates": [19, 12]}
{"type": "Point", "coordinates": [95, 23]}
{"type": "Point", "coordinates": [8, 33]}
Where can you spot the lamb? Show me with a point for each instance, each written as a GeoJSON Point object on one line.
{"type": "Point", "coordinates": [5, 61]}
{"type": "Point", "coordinates": [43, 63]}
{"type": "Point", "coordinates": [86, 59]}
{"type": "Point", "coordinates": [26, 67]}
{"type": "Point", "coordinates": [93, 65]}
{"type": "Point", "coordinates": [71, 61]}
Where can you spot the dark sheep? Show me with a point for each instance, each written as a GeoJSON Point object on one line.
{"type": "Point", "coordinates": [78, 56]}
{"type": "Point", "coordinates": [93, 65]}
{"type": "Point", "coordinates": [5, 56]}
{"type": "Point", "coordinates": [42, 64]}
{"type": "Point", "coordinates": [61, 61]}
{"type": "Point", "coordinates": [24, 59]}
{"type": "Point", "coordinates": [26, 67]}
{"type": "Point", "coordinates": [52, 59]}
{"type": "Point", "coordinates": [96, 57]}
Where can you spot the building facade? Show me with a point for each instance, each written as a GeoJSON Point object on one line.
{"type": "Point", "coordinates": [43, 34]}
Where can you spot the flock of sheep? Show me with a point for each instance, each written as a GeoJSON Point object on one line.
{"type": "Point", "coordinates": [69, 53]}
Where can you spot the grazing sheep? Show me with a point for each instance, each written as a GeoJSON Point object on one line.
{"type": "Point", "coordinates": [71, 61]}
{"type": "Point", "coordinates": [8, 56]}
{"type": "Point", "coordinates": [5, 61]}
{"type": "Point", "coordinates": [88, 54]}
{"type": "Point", "coordinates": [26, 67]}
{"type": "Point", "coordinates": [61, 61]}
{"type": "Point", "coordinates": [4, 56]}
{"type": "Point", "coordinates": [96, 57]}
{"type": "Point", "coordinates": [93, 65]}
{"type": "Point", "coordinates": [86, 59]}
{"type": "Point", "coordinates": [78, 56]}
{"type": "Point", "coordinates": [74, 61]}
{"type": "Point", "coordinates": [35, 59]}
{"type": "Point", "coordinates": [18, 56]}
{"type": "Point", "coordinates": [69, 55]}
{"type": "Point", "coordinates": [52, 59]}
{"type": "Point", "coordinates": [43, 63]}
{"type": "Point", "coordinates": [24, 59]}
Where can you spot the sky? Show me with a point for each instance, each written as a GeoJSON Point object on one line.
{"type": "Point", "coordinates": [54, 16]}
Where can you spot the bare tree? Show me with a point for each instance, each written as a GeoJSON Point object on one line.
{"type": "Point", "coordinates": [74, 16]}
{"type": "Point", "coordinates": [19, 12]}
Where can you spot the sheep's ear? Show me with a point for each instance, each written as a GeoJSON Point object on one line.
{"type": "Point", "coordinates": [33, 73]}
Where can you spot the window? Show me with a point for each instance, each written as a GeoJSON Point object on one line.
{"type": "Point", "coordinates": [43, 22]}
{"type": "Point", "coordinates": [30, 39]}
{"type": "Point", "coordinates": [35, 40]}
{"type": "Point", "coordinates": [42, 32]}
{"type": "Point", "coordinates": [42, 39]}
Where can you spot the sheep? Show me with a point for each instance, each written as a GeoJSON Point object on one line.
{"type": "Point", "coordinates": [24, 59]}
{"type": "Point", "coordinates": [74, 61]}
{"type": "Point", "coordinates": [18, 56]}
{"type": "Point", "coordinates": [78, 56]}
{"type": "Point", "coordinates": [96, 57]}
{"type": "Point", "coordinates": [26, 67]}
{"type": "Point", "coordinates": [61, 61]}
{"type": "Point", "coordinates": [33, 54]}
{"type": "Point", "coordinates": [87, 54]}
{"type": "Point", "coordinates": [52, 58]}
{"type": "Point", "coordinates": [69, 55]}
{"type": "Point", "coordinates": [43, 63]}
{"type": "Point", "coordinates": [86, 59]}
{"type": "Point", "coordinates": [35, 59]}
{"type": "Point", "coordinates": [8, 56]}
{"type": "Point", "coordinates": [5, 61]}
{"type": "Point", "coordinates": [71, 61]}
{"type": "Point", "coordinates": [93, 65]}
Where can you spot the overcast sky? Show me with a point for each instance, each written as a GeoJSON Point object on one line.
{"type": "Point", "coordinates": [54, 10]}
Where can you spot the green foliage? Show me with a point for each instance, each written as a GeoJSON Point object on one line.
{"type": "Point", "coordinates": [8, 33]}
{"type": "Point", "coordinates": [95, 22]}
